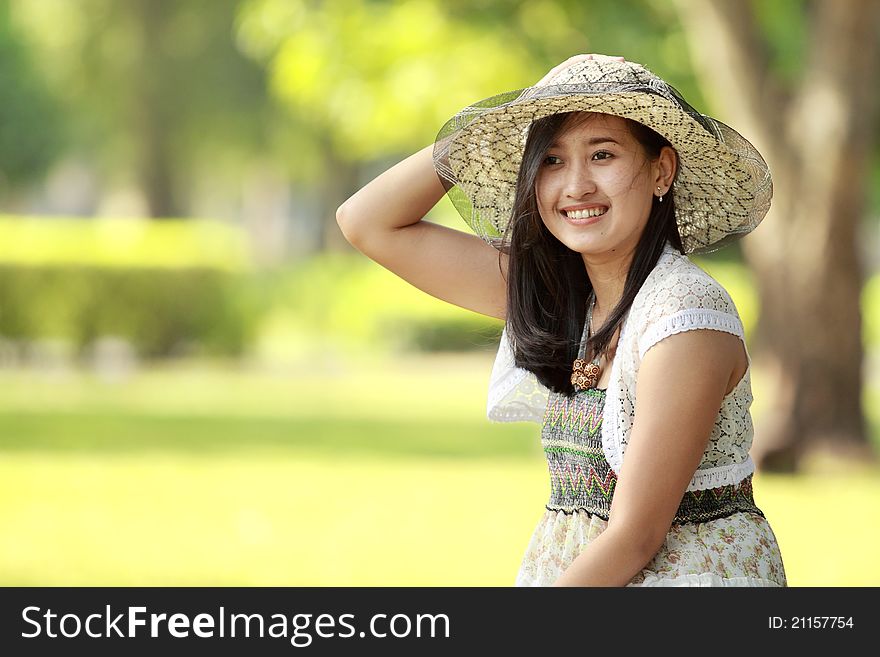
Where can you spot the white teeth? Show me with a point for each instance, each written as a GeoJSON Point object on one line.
{"type": "Point", "coordinates": [583, 214]}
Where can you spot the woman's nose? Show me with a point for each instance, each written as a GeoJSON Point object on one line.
{"type": "Point", "coordinates": [579, 180]}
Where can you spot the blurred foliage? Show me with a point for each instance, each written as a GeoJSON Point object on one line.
{"type": "Point", "coordinates": [122, 243]}
{"type": "Point", "coordinates": [785, 22]}
{"type": "Point", "coordinates": [739, 282]}
{"type": "Point", "coordinates": [31, 130]}
{"type": "Point", "coordinates": [365, 79]}
{"type": "Point", "coordinates": [166, 288]}
{"type": "Point", "coordinates": [353, 301]}
{"type": "Point", "coordinates": [871, 313]}
{"type": "Point", "coordinates": [155, 91]}
{"type": "Point", "coordinates": [371, 78]}
{"type": "Point", "coordinates": [183, 98]}
{"type": "Point", "coordinates": [467, 333]}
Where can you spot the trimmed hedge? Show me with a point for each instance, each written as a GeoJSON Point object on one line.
{"type": "Point", "coordinates": [166, 287]}
{"type": "Point", "coordinates": [159, 311]}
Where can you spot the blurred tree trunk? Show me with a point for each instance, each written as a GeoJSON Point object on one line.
{"type": "Point", "coordinates": [817, 139]}
{"type": "Point", "coordinates": [155, 160]}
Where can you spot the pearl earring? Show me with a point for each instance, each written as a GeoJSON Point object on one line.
{"type": "Point", "coordinates": [661, 196]}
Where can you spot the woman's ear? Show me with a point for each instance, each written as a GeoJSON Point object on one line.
{"type": "Point", "coordinates": [667, 167]}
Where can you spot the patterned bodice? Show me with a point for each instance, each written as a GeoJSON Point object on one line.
{"type": "Point", "coordinates": [677, 296]}
{"type": "Point", "coordinates": [581, 478]}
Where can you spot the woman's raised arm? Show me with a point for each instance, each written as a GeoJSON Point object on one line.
{"type": "Point", "coordinates": [383, 220]}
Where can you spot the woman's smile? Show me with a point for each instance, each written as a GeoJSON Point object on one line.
{"type": "Point", "coordinates": [584, 215]}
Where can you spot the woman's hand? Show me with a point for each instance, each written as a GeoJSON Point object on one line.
{"type": "Point", "coordinates": [568, 62]}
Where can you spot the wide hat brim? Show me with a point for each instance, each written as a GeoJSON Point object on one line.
{"type": "Point", "coordinates": [723, 188]}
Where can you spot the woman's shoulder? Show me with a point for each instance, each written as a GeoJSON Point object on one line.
{"type": "Point", "coordinates": [677, 283]}
{"type": "Point", "coordinates": [679, 296]}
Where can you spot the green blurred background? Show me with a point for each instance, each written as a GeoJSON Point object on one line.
{"type": "Point", "coordinates": [202, 383]}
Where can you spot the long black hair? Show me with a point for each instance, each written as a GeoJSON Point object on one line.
{"type": "Point", "coordinates": [547, 285]}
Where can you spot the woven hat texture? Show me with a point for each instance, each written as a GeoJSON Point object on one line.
{"type": "Point", "coordinates": [723, 188]}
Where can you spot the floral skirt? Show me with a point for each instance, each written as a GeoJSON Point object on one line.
{"type": "Point", "coordinates": [739, 550]}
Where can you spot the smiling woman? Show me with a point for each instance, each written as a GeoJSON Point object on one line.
{"type": "Point", "coordinates": [586, 192]}
{"type": "Point", "coordinates": [597, 173]}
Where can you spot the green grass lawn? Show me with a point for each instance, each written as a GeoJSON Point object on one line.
{"type": "Point", "coordinates": [333, 474]}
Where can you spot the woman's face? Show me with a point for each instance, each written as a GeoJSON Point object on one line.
{"type": "Point", "coordinates": [596, 185]}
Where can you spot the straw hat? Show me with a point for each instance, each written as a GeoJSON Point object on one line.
{"type": "Point", "coordinates": [722, 191]}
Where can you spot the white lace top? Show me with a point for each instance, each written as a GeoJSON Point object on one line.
{"type": "Point", "coordinates": [676, 296]}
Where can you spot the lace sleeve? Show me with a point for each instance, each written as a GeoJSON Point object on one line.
{"type": "Point", "coordinates": [688, 299]}
{"type": "Point", "coordinates": [515, 394]}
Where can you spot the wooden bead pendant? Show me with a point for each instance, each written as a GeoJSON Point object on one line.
{"type": "Point", "coordinates": [585, 374]}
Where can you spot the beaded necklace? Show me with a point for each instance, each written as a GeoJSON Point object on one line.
{"type": "Point", "coordinates": [583, 374]}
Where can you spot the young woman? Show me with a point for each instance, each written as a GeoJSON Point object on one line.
{"type": "Point", "coordinates": [586, 192]}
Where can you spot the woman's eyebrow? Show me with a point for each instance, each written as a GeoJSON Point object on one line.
{"type": "Point", "coordinates": [592, 141]}
{"type": "Point", "coordinates": [602, 140]}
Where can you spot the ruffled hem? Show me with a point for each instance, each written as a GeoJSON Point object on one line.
{"type": "Point", "coordinates": [691, 580]}
{"type": "Point", "coordinates": [723, 475]}
{"type": "Point", "coordinates": [704, 579]}
{"type": "Point", "coordinates": [688, 320]}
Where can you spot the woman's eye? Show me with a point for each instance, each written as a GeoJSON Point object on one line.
{"type": "Point", "coordinates": [601, 155]}
{"type": "Point", "coordinates": [552, 159]}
